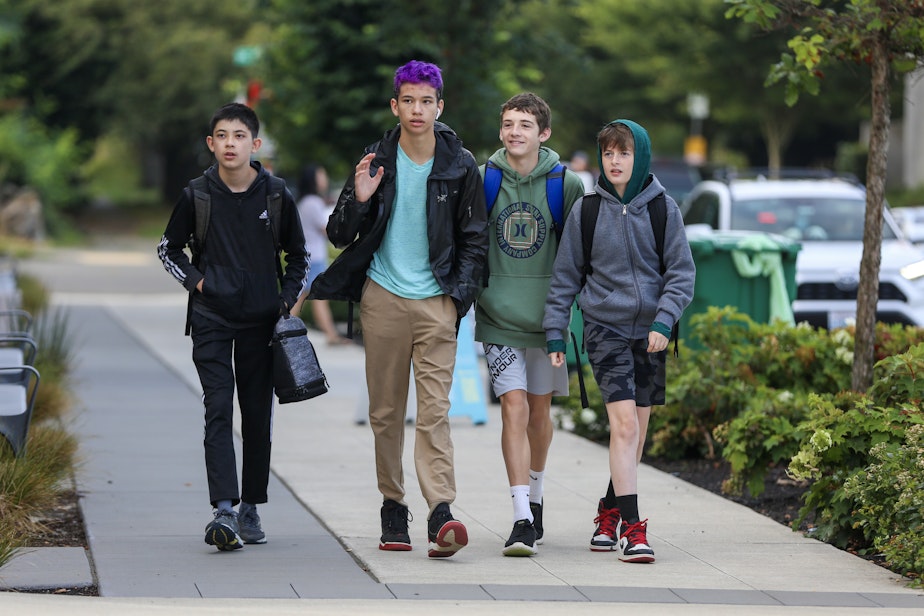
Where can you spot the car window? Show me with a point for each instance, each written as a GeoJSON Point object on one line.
{"type": "Point", "coordinates": [804, 219]}
{"type": "Point", "coordinates": [703, 210]}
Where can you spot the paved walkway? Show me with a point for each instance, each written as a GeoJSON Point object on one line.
{"type": "Point", "coordinates": [145, 503]}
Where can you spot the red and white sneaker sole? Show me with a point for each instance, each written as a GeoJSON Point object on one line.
{"type": "Point", "coordinates": [394, 546]}
{"type": "Point", "coordinates": [451, 538]}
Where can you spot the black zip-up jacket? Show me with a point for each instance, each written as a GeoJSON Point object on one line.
{"type": "Point", "coordinates": [456, 223]}
{"type": "Point", "coordinates": [238, 261]}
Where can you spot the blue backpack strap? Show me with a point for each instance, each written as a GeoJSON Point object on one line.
{"type": "Point", "coordinates": [554, 190]}
{"type": "Point", "coordinates": [492, 183]}
{"type": "Point", "coordinates": [555, 195]}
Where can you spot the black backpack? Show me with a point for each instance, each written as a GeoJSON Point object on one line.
{"type": "Point", "coordinates": [590, 208]}
{"type": "Point", "coordinates": [657, 212]}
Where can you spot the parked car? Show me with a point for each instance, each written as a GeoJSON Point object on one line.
{"type": "Point", "coordinates": [911, 221]}
{"type": "Point", "coordinates": [676, 176]}
{"type": "Point", "coordinates": [827, 217]}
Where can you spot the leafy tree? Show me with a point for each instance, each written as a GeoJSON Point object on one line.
{"type": "Point", "coordinates": [662, 50]}
{"type": "Point", "coordinates": [151, 73]}
{"type": "Point", "coordinates": [886, 36]}
{"type": "Point", "coordinates": [330, 66]}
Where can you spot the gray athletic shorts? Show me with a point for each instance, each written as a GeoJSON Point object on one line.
{"type": "Point", "coordinates": [624, 369]}
{"type": "Point", "coordinates": [513, 368]}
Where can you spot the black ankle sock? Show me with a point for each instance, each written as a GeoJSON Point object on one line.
{"type": "Point", "coordinates": [628, 507]}
{"type": "Point", "coordinates": [609, 501]}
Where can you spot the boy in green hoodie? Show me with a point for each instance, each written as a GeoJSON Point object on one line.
{"type": "Point", "coordinates": [508, 313]}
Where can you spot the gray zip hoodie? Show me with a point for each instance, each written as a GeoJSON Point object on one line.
{"type": "Point", "coordinates": [626, 291]}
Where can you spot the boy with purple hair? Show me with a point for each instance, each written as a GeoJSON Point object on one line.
{"type": "Point", "coordinates": [412, 223]}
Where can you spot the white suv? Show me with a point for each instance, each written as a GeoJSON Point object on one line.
{"type": "Point", "coordinates": [826, 216]}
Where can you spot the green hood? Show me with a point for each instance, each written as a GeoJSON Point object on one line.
{"type": "Point", "coordinates": [548, 158]}
{"type": "Point", "coordinates": [642, 165]}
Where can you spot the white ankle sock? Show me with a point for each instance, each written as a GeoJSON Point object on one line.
{"type": "Point", "coordinates": [535, 486]}
{"type": "Point", "coordinates": [520, 496]}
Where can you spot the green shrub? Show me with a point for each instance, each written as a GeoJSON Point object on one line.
{"type": "Point", "coordinates": [11, 541]}
{"type": "Point", "coordinates": [763, 435]}
{"type": "Point", "coordinates": [47, 160]}
{"type": "Point", "coordinates": [890, 494]}
{"type": "Point", "coordinates": [838, 435]}
{"type": "Point", "coordinates": [31, 483]}
{"type": "Point", "coordinates": [34, 296]}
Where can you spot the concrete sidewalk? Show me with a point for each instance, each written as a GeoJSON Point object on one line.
{"type": "Point", "coordinates": [145, 503]}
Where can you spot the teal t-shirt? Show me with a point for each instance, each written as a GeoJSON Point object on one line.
{"type": "Point", "coordinates": [402, 262]}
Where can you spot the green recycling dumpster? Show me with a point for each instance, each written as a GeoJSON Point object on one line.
{"type": "Point", "coordinates": [752, 271]}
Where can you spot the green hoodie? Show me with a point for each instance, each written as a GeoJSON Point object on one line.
{"type": "Point", "coordinates": [521, 251]}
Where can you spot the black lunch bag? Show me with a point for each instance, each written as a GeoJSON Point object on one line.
{"type": "Point", "coordinates": [297, 375]}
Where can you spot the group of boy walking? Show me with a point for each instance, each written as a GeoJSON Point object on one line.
{"type": "Point", "coordinates": [422, 243]}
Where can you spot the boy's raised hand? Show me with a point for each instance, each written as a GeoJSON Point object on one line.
{"type": "Point", "coordinates": [366, 185]}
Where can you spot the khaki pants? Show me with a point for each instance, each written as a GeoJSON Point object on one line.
{"type": "Point", "coordinates": [397, 331]}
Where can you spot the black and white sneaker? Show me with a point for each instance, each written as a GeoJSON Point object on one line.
{"type": "Point", "coordinates": [606, 534]}
{"type": "Point", "coordinates": [222, 531]}
{"type": "Point", "coordinates": [522, 541]}
{"type": "Point", "coordinates": [536, 510]}
{"type": "Point", "coordinates": [633, 543]}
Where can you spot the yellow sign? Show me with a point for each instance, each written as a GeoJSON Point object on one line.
{"type": "Point", "coordinates": [695, 149]}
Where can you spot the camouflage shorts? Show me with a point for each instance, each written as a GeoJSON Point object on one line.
{"type": "Point", "coordinates": [624, 369]}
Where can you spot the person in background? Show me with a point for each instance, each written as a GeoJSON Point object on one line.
{"type": "Point", "coordinates": [314, 212]}
{"type": "Point", "coordinates": [579, 163]}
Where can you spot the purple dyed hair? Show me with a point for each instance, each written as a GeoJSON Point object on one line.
{"type": "Point", "coordinates": [416, 71]}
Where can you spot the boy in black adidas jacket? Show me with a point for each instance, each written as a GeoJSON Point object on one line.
{"type": "Point", "coordinates": [235, 299]}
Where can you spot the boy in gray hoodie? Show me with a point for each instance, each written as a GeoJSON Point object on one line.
{"type": "Point", "coordinates": [629, 309]}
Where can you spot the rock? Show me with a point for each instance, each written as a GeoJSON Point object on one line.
{"type": "Point", "coordinates": [21, 215]}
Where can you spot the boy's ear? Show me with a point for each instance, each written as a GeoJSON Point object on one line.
{"type": "Point", "coordinates": [257, 143]}
{"type": "Point", "coordinates": [544, 135]}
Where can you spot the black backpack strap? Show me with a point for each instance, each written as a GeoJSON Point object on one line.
{"type": "Point", "coordinates": [275, 191]}
{"type": "Point", "coordinates": [657, 212]}
{"type": "Point", "coordinates": [590, 207]}
{"type": "Point", "coordinates": [202, 210]}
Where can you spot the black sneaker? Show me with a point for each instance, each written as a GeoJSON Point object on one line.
{"type": "Point", "coordinates": [522, 540]}
{"type": "Point", "coordinates": [606, 536]}
{"type": "Point", "coordinates": [447, 535]}
{"type": "Point", "coordinates": [395, 537]}
{"type": "Point", "coordinates": [536, 510]}
{"type": "Point", "coordinates": [633, 543]}
{"type": "Point", "coordinates": [222, 531]}
{"type": "Point", "coordinates": [249, 524]}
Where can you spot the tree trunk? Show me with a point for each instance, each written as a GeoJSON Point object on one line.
{"type": "Point", "coordinates": [868, 291]}
{"type": "Point", "coordinates": [777, 133]}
